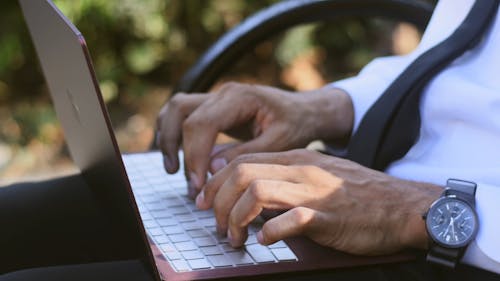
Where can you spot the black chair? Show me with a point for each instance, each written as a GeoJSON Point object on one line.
{"type": "Point", "coordinates": [284, 15]}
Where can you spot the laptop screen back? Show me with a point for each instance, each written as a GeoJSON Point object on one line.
{"type": "Point", "coordinates": [69, 74]}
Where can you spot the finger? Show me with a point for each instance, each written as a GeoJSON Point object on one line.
{"type": "Point", "coordinates": [295, 222]}
{"type": "Point", "coordinates": [213, 184]}
{"type": "Point", "coordinates": [242, 178]}
{"type": "Point", "coordinates": [169, 125]}
{"type": "Point", "coordinates": [200, 130]}
{"type": "Point", "coordinates": [269, 194]}
{"type": "Point", "coordinates": [218, 163]}
{"type": "Point", "coordinates": [206, 197]}
{"type": "Point", "coordinates": [263, 143]}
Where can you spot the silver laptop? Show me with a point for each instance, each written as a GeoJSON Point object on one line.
{"type": "Point", "coordinates": [161, 226]}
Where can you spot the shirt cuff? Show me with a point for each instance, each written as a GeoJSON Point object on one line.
{"type": "Point", "coordinates": [365, 88]}
{"type": "Point", "coordinates": [484, 252]}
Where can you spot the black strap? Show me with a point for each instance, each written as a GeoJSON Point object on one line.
{"type": "Point", "coordinates": [391, 126]}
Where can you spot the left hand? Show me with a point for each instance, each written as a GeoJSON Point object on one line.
{"type": "Point", "coordinates": [333, 201]}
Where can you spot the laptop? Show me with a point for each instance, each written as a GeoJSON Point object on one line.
{"type": "Point", "coordinates": [161, 226]}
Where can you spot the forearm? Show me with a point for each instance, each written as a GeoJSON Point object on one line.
{"type": "Point", "coordinates": [332, 114]}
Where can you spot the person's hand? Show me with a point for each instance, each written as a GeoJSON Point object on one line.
{"type": "Point", "coordinates": [333, 201]}
{"type": "Point", "coordinates": [275, 120]}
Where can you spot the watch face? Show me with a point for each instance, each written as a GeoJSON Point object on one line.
{"type": "Point", "coordinates": [451, 222]}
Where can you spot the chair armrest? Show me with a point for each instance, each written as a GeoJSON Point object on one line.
{"type": "Point", "coordinates": [284, 15]}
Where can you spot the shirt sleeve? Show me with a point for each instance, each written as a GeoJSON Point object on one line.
{"type": "Point", "coordinates": [365, 88]}
{"type": "Point", "coordinates": [484, 252]}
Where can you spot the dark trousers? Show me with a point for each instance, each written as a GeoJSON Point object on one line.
{"type": "Point", "coordinates": [53, 230]}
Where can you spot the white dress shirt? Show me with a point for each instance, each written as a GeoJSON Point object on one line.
{"type": "Point", "coordinates": [460, 130]}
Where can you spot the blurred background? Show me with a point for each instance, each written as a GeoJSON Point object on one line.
{"type": "Point", "coordinates": [141, 49]}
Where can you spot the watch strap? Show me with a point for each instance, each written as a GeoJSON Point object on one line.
{"type": "Point", "coordinates": [444, 256]}
{"type": "Point", "coordinates": [465, 190]}
{"type": "Point", "coordinates": [447, 257]}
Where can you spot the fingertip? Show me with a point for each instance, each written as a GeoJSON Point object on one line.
{"type": "Point", "coordinates": [200, 200]}
{"type": "Point", "coordinates": [167, 164]}
{"type": "Point", "coordinates": [218, 164]}
{"type": "Point", "coordinates": [194, 181]}
{"type": "Point", "coordinates": [260, 238]}
{"type": "Point", "coordinates": [171, 164]}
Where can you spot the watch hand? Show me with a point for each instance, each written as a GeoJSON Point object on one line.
{"type": "Point", "coordinates": [452, 222]}
{"type": "Point", "coordinates": [463, 211]}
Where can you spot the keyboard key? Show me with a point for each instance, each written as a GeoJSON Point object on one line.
{"type": "Point", "coordinates": [279, 244]}
{"type": "Point", "coordinates": [179, 183]}
{"type": "Point", "coordinates": [191, 225]}
{"type": "Point", "coordinates": [178, 210]}
{"type": "Point", "coordinates": [192, 255]}
{"type": "Point", "coordinates": [166, 222]}
{"type": "Point", "coordinates": [198, 233]}
{"type": "Point", "coordinates": [179, 238]}
{"type": "Point", "coordinates": [161, 239]}
{"type": "Point", "coordinates": [185, 246]}
{"type": "Point", "coordinates": [199, 264]}
{"type": "Point", "coordinates": [172, 201]}
{"type": "Point", "coordinates": [180, 265]}
{"type": "Point", "coordinates": [167, 248]}
{"type": "Point", "coordinates": [155, 231]}
{"type": "Point", "coordinates": [146, 216]}
{"type": "Point", "coordinates": [207, 222]}
{"type": "Point", "coordinates": [252, 239]}
{"type": "Point", "coordinates": [219, 261]}
{"type": "Point", "coordinates": [185, 218]}
{"type": "Point", "coordinates": [211, 250]}
{"type": "Point", "coordinates": [161, 214]}
{"type": "Point", "coordinates": [201, 214]}
{"type": "Point", "coordinates": [155, 206]}
{"type": "Point", "coordinates": [240, 257]}
{"type": "Point", "coordinates": [204, 241]}
{"type": "Point", "coordinates": [284, 254]}
{"type": "Point", "coordinates": [172, 230]}
{"type": "Point", "coordinates": [228, 248]}
{"type": "Point", "coordinates": [260, 254]}
{"type": "Point", "coordinates": [150, 224]}
{"type": "Point", "coordinates": [172, 256]}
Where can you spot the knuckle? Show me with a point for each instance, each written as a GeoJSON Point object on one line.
{"type": "Point", "coordinates": [241, 172]}
{"type": "Point", "coordinates": [242, 158]}
{"type": "Point", "coordinates": [311, 171]}
{"type": "Point", "coordinates": [228, 86]}
{"type": "Point", "coordinates": [191, 123]}
{"type": "Point", "coordinates": [177, 99]}
{"type": "Point", "coordinates": [302, 216]}
{"type": "Point", "coordinates": [257, 190]}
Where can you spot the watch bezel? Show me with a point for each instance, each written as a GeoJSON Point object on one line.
{"type": "Point", "coordinates": [428, 222]}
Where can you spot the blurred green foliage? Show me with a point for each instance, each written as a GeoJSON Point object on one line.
{"type": "Point", "coordinates": [139, 45]}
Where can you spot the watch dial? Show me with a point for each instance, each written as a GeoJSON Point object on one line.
{"type": "Point", "coordinates": [451, 222]}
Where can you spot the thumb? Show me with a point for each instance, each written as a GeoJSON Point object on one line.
{"type": "Point", "coordinates": [263, 143]}
{"type": "Point", "coordinates": [292, 223]}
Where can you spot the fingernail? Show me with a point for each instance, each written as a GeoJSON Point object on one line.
{"type": "Point", "coordinates": [194, 182]}
{"type": "Point", "coordinates": [260, 237]}
{"type": "Point", "coordinates": [167, 164]}
{"type": "Point", "coordinates": [191, 193]}
{"type": "Point", "coordinates": [220, 231]}
{"type": "Point", "coordinates": [157, 139]}
{"type": "Point", "coordinates": [218, 163]}
{"type": "Point", "coordinates": [200, 199]}
{"type": "Point", "coordinates": [229, 237]}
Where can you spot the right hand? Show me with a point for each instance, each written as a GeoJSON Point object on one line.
{"type": "Point", "coordinates": [266, 119]}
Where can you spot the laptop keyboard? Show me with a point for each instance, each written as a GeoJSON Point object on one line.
{"type": "Point", "coordinates": [187, 236]}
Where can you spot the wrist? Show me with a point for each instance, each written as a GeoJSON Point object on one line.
{"type": "Point", "coordinates": [332, 112]}
{"type": "Point", "coordinates": [414, 232]}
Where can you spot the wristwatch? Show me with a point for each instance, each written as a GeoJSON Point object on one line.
{"type": "Point", "coordinates": [452, 223]}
